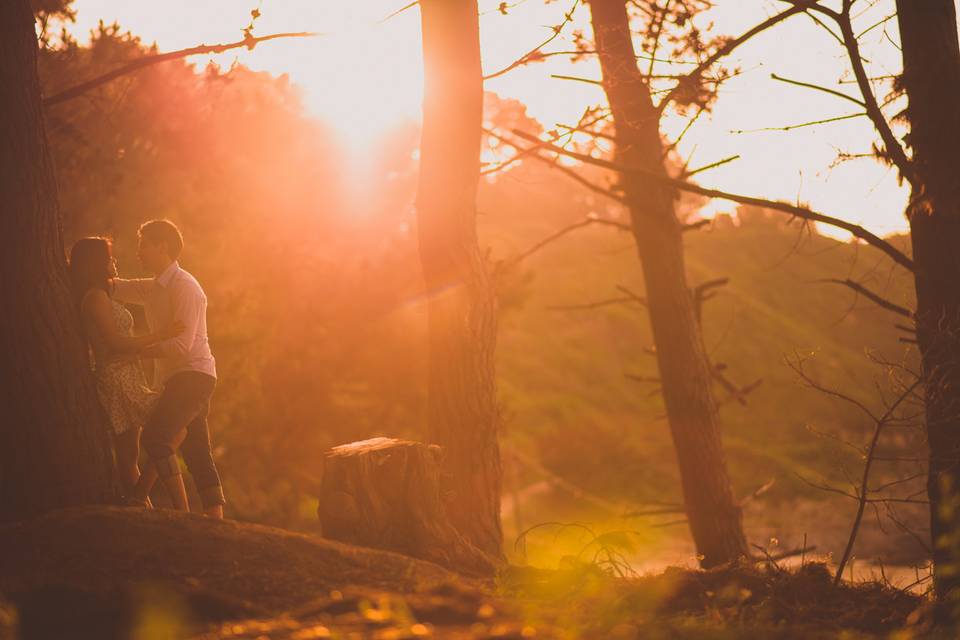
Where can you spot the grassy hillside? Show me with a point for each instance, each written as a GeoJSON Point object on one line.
{"type": "Point", "coordinates": [563, 372]}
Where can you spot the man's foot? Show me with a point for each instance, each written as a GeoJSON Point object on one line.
{"type": "Point", "coordinates": [134, 501]}
{"type": "Point", "coordinates": [216, 512]}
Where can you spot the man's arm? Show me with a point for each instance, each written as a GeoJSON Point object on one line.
{"type": "Point", "coordinates": [132, 291]}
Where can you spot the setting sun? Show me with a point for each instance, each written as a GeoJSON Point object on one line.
{"type": "Point", "coordinates": [362, 75]}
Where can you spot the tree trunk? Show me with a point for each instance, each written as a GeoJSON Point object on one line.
{"type": "Point", "coordinates": [931, 61]}
{"type": "Point", "coordinates": [54, 444]}
{"type": "Point", "coordinates": [386, 493]}
{"type": "Point", "coordinates": [714, 516]}
{"type": "Point", "coordinates": [462, 413]}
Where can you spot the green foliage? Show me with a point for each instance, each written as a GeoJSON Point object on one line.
{"type": "Point", "coordinates": [316, 309]}
{"type": "Point", "coordinates": [563, 373]}
{"type": "Point", "coordinates": [312, 310]}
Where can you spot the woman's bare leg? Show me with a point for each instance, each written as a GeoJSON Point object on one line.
{"type": "Point", "coordinates": [148, 478]}
{"type": "Point", "coordinates": [128, 451]}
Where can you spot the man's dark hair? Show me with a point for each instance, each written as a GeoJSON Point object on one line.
{"type": "Point", "coordinates": [163, 232]}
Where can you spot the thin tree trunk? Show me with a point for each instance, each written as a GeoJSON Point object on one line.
{"type": "Point", "coordinates": [931, 60]}
{"type": "Point", "coordinates": [714, 516]}
{"type": "Point", "coordinates": [54, 446]}
{"type": "Point", "coordinates": [463, 413]}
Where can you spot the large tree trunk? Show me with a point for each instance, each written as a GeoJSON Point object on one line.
{"type": "Point", "coordinates": [54, 446]}
{"type": "Point", "coordinates": [931, 60]}
{"type": "Point", "coordinates": [714, 516]}
{"type": "Point", "coordinates": [463, 415]}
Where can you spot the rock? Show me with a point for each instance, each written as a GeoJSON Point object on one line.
{"type": "Point", "coordinates": [386, 493]}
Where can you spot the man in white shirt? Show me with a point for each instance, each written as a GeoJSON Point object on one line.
{"type": "Point", "coordinates": [185, 369]}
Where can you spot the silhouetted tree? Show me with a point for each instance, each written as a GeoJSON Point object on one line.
{"type": "Point", "coordinates": [54, 447]}
{"type": "Point", "coordinates": [686, 381]}
{"type": "Point", "coordinates": [931, 79]}
{"type": "Point", "coordinates": [462, 404]}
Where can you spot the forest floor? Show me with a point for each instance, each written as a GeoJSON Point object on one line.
{"type": "Point", "coordinates": [104, 572]}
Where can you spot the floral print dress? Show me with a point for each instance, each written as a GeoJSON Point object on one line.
{"type": "Point", "coordinates": [121, 385]}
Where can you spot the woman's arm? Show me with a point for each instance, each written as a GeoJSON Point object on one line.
{"type": "Point", "coordinates": [98, 318]}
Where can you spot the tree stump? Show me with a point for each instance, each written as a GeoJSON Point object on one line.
{"type": "Point", "coordinates": [385, 493]}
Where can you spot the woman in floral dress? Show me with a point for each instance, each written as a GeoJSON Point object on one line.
{"type": "Point", "coordinates": [108, 326]}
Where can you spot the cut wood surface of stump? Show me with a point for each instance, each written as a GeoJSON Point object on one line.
{"type": "Point", "coordinates": [386, 493]}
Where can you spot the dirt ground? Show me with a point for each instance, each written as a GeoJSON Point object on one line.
{"type": "Point", "coordinates": [105, 572]}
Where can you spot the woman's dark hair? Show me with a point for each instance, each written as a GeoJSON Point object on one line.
{"type": "Point", "coordinates": [89, 267]}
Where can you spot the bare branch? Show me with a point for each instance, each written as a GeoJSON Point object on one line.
{"type": "Point", "coordinates": [800, 212]}
{"type": "Point", "coordinates": [818, 87]}
{"type": "Point", "coordinates": [394, 14]}
{"type": "Point", "coordinates": [686, 128]}
{"type": "Point", "coordinates": [633, 295]}
{"type": "Point", "coordinates": [577, 79]}
{"type": "Point", "coordinates": [813, 5]}
{"type": "Point", "coordinates": [712, 165]}
{"type": "Point", "coordinates": [592, 305]}
{"type": "Point", "coordinates": [726, 50]}
{"type": "Point", "coordinates": [659, 32]}
{"type": "Point", "coordinates": [893, 149]}
{"type": "Point", "coordinates": [812, 123]}
{"type": "Point", "coordinates": [864, 490]}
{"type": "Point", "coordinates": [589, 132]}
{"type": "Point", "coordinates": [249, 42]}
{"type": "Point", "coordinates": [564, 231]}
{"type": "Point", "coordinates": [534, 54]}
{"type": "Point", "coordinates": [567, 171]}
{"type": "Point", "coordinates": [879, 300]}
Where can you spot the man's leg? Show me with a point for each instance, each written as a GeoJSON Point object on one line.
{"type": "Point", "coordinates": [199, 458]}
{"type": "Point", "coordinates": [163, 433]}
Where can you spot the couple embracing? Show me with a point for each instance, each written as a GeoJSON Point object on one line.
{"type": "Point", "coordinates": [171, 416]}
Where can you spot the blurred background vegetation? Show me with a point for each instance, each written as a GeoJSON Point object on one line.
{"type": "Point", "coordinates": [309, 261]}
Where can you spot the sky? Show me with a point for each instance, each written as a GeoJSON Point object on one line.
{"type": "Point", "coordinates": [363, 74]}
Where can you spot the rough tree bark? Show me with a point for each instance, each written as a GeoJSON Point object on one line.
{"type": "Point", "coordinates": [463, 414]}
{"type": "Point", "coordinates": [931, 78]}
{"type": "Point", "coordinates": [386, 493]}
{"type": "Point", "coordinates": [714, 515]}
{"type": "Point", "coordinates": [54, 446]}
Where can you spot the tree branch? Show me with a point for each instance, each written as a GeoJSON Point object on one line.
{"type": "Point", "coordinates": [807, 214]}
{"type": "Point", "coordinates": [562, 232]}
{"type": "Point", "coordinates": [726, 50]}
{"type": "Point", "coordinates": [592, 305]}
{"type": "Point", "coordinates": [876, 298]}
{"type": "Point", "coordinates": [713, 165]}
{"type": "Point", "coordinates": [818, 87]}
{"type": "Point", "coordinates": [812, 123]}
{"type": "Point", "coordinates": [893, 148]}
{"type": "Point", "coordinates": [534, 54]}
{"type": "Point", "coordinates": [557, 76]}
{"type": "Point", "coordinates": [567, 171]}
{"type": "Point", "coordinates": [250, 42]}
{"type": "Point", "coordinates": [864, 490]}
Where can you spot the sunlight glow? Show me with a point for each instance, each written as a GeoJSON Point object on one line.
{"type": "Point", "coordinates": [363, 75]}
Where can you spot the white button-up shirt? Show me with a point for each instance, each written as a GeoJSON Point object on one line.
{"type": "Point", "coordinates": [173, 295]}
